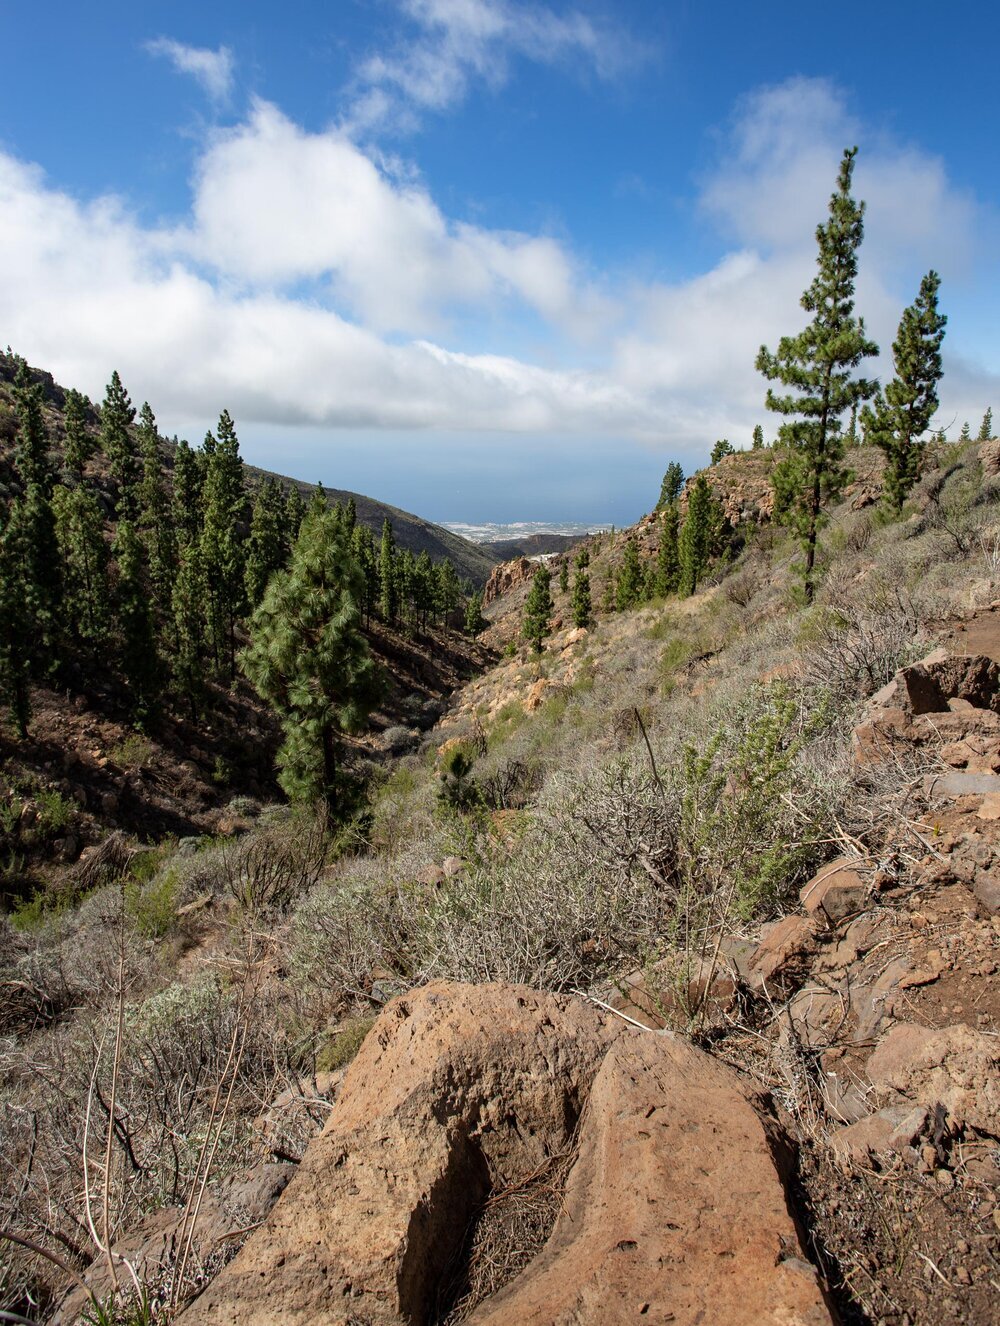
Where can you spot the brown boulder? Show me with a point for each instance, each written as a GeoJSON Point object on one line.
{"type": "Point", "coordinates": [783, 952]}
{"type": "Point", "coordinates": [654, 1223]}
{"type": "Point", "coordinates": [462, 1091]}
{"type": "Point", "coordinates": [836, 892]}
{"type": "Point", "coordinates": [455, 1088]}
{"type": "Point", "coordinates": [952, 1066]}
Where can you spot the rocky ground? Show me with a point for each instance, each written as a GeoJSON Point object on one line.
{"type": "Point", "coordinates": [825, 1148]}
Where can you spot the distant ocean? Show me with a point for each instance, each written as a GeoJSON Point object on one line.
{"type": "Point", "coordinates": [521, 529]}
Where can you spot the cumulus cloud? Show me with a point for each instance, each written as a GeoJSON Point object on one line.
{"type": "Point", "coordinates": [212, 69]}
{"type": "Point", "coordinates": [274, 205]}
{"type": "Point", "coordinates": [310, 285]}
{"type": "Point", "coordinates": [456, 41]}
{"type": "Point", "coordinates": [83, 289]}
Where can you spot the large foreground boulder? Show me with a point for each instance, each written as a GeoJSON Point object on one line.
{"type": "Point", "coordinates": [673, 1207]}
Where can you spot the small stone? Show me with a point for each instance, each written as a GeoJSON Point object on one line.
{"type": "Point", "coordinates": [945, 1178]}
{"type": "Point", "coordinates": [962, 1275]}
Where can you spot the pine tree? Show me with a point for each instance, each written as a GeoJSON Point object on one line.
{"type": "Point", "coordinates": [474, 619]}
{"type": "Point", "coordinates": [670, 488]}
{"type": "Point", "coordinates": [668, 567]}
{"type": "Point", "coordinates": [80, 445]}
{"type": "Point", "coordinates": [758, 437]}
{"type": "Point", "coordinates": [722, 448]}
{"type": "Point", "coordinates": [583, 612]}
{"type": "Point", "coordinates": [267, 547]}
{"type": "Point", "coordinates": [84, 556]}
{"type": "Point", "coordinates": [156, 527]}
{"type": "Point", "coordinates": [363, 547]}
{"type": "Point", "coordinates": [140, 662]}
{"type": "Point", "coordinates": [538, 609]}
{"type": "Point", "coordinates": [697, 536]}
{"type": "Point", "coordinates": [403, 568]}
{"type": "Point", "coordinates": [564, 575]}
{"type": "Point", "coordinates": [16, 625]}
{"type": "Point", "coordinates": [309, 659]}
{"type": "Point", "coordinates": [295, 511]}
{"type": "Point", "coordinates": [852, 428]}
{"type": "Point", "coordinates": [190, 593]}
{"type": "Point", "coordinates": [351, 514]}
{"type": "Point", "coordinates": [33, 547]}
{"type": "Point", "coordinates": [318, 501]}
{"type": "Point", "coordinates": [387, 574]}
{"type": "Point", "coordinates": [31, 450]}
{"type": "Point", "coordinates": [186, 501]}
{"type": "Point", "coordinates": [628, 590]}
{"type": "Point", "coordinates": [223, 541]}
{"type": "Point", "coordinates": [910, 399]}
{"type": "Point", "coordinates": [817, 365]}
{"type": "Point", "coordinates": [424, 587]}
{"type": "Point", "coordinates": [966, 433]}
{"type": "Point", "coordinates": [117, 416]}
{"type": "Point", "coordinates": [986, 427]}
{"type": "Point", "coordinates": [448, 592]}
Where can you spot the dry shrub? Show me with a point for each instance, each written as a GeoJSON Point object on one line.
{"type": "Point", "coordinates": [508, 1231]}
{"type": "Point", "coordinates": [266, 871]}
{"type": "Point", "coordinates": [855, 640]}
{"type": "Point", "coordinates": [106, 863]}
{"type": "Point", "coordinates": [182, 1076]}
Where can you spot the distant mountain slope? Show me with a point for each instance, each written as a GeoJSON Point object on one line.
{"type": "Point", "coordinates": [532, 545]}
{"type": "Point", "coordinates": [471, 560]}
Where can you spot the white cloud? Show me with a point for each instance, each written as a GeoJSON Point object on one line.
{"type": "Point", "coordinates": [275, 205]}
{"type": "Point", "coordinates": [458, 40]}
{"type": "Point", "coordinates": [312, 285]}
{"type": "Point", "coordinates": [212, 69]}
{"type": "Point", "coordinates": [83, 289]}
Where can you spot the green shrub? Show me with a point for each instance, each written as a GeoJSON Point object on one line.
{"type": "Point", "coordinates": [54, 812]}
{"type": "Point", "coordinates": [153, 907]}
{"type": "Point", "coordinates": [340, 1048]}
{"type": "Point", "coordinates": [133, 752]}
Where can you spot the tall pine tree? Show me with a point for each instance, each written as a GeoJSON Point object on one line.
{"type": "Point", "coordinates": [387, 574]}
{"type": "Point", "coordinates": [670, 488]}
{"type": "Point", "coordinates": [698, 535]}
{"type": "Point", "coordinates": [140, 661]}
{"type": "Point", "coordinates": [84, 554]}
{"type": "Point", "coordinates": [817, 366]}
{"type": "Point", "coordinates": [80, 445]}
{"type": "Point", "coordinates": [309, 659]}
{"type": "Point", "coordinates": [668, 567]}
{"type": "Point", "coordinates": [16, 625]}
{"type": "Point", "coordinates": [117, 443]}
{"type": "Point", "coordinates": [905, 411]}
{"type": "Point", "coordinates": [156, 526]}
{"type": "Point", "coordinates": [628, 590]}
{"type": "Point", "coordinates": [223, 542]}
{"type": "Point", "coordinates": [536, 625]}
{"type": "Point", "coordinates": [583, 612]}
{"type": "Point", "coordinates": [267, 548]}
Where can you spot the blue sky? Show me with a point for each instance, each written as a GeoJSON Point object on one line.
{"type": "Point", "coordinates": [483, 259]}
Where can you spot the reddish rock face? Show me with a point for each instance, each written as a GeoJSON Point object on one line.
{"type": "Point", "coordinates": [507, 576]}
{"type": "Point", "coordinates": [673, 1207]}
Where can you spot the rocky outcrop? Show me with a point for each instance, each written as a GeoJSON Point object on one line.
{"type": "Point", "coordinates": [506, 577]}
{"type": "Point", "coordinates": [462, 1095]}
